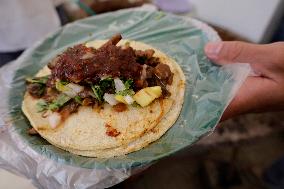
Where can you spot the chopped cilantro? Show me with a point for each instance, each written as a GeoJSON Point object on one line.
{"type": "Point", "coordinates": [41, 106]}
{"type": "Point", "coordinates": [98, 92]}
{"type": "Point", "coordinates": [128, 84]}
{"type": "Point", "coordinates": [60, 86]}
{"type": "Point", "coordinates": [41, 80]}
{"type": "Point", "coordinates": [78, 99]}
{"type": "Point", "coordinates": [64, 82]}
{"type": "Point", "coordinates": [53, 106]}
{"type": "Point", "coordinates": [59, 102]}
{"type": "Point", "coordinates": [126, 92]}
{"type": "Point", "coordinates": [107, 84]}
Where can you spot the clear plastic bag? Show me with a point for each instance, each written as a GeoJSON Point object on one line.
{"type": "Point", "coordinates": [209, 90]}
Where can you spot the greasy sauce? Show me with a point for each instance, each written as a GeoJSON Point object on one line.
{"type": "Point", "coordinates": [110, 131]}
{"type": "Point", "coordinates": [119, 107]}
{"type": "Point", "coordinates": [83, 64]}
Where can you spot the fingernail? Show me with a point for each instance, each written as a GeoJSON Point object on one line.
{"type": "Point", "coordinates": [213, 49]}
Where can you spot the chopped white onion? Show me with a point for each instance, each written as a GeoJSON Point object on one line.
{"type": "Point", "coordinates": [119, 86]}
{"type": "Point", "coordinates": [75, 87]}
{"type": "Point", "coordinates": [128, 99]}
{"type": "Point", "coordinates": [144, 73]}
{"type": "Point", "coordinates": [54, 120]}
{"type": "Point", "coordinates": [109, 98]}
{"type": "Point", "coordinates": [73, 90]}
{"type": "Point", "coordinates": [105, 76]}
{"type": "Point", "coordinates": [70, 93]}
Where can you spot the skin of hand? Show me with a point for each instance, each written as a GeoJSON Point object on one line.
{"type": "Point", "coordinates": [258, 93]}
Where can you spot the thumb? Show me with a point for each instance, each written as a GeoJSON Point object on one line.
{"type": "Point", "coordinates": [260, 57]}
{"type": "Point", "coordinates": [235, 51]}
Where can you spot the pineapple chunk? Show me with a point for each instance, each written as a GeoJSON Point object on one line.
{"type": "Point", "coordinates": [60, 87]}
{"type": "Point", "coordinates": [120, 98]}
{"type": "Point", "coordinates": [143, 98]}
{"type": "Point", "coordinates": [147, 95]}
{"type": "Point", "coordinates": [154, 91]}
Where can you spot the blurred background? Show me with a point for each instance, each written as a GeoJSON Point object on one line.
{"type": "Point", "coordinates": [245, 152]}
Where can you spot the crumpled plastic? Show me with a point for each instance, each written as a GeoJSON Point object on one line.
{"type": "Point", "coordinates": [209, 90]}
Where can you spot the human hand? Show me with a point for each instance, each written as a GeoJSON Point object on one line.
{"type": "Point", "coordinates": [258, 94]}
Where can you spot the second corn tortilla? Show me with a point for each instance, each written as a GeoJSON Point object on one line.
{"type": "Point", "coordinates": [84, 133]}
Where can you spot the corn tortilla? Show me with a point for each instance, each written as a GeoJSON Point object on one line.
{"type": "Point", "coordinates": [84, 132]}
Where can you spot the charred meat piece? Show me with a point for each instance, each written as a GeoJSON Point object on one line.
{"type": "Point", "coordinates": [163, 72]}
{"type": "Point", "coordinates": [70, 108]}
{"type": "Point", "coordinates": [113, 40]}
{"type": "Point", "coordinates": [161, 75]}
{"type": "Point", "coordinates": [139, 84]}
{"type": "Point", "coordinates": [146, 57]}
{"type": "Point", "coordinates": [88, 101]}
{"type": "Point", "coordinates": [147, 53]}
{"type": "Point", "coordinates": [142, 57]}
{"type": "Point", "coordinates": [146, 73]}
{"type": "Point", "coordinates": [150, 71]}
{"type": "Point", "coordinates": [154, 61]}
{"type": "Point", "coordinates": [36, 90]}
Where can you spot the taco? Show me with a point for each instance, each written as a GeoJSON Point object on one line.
{"type": "Point", "coordinates": [105, 98]}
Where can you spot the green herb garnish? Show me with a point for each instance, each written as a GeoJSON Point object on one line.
{"type": "Point", "coordinates": [41, 106]}
{"type": "Point", "coordinates": [126, 92]}
{"type": "Point", "coordinates": [128, 83]}
{"type": "Point", "coordinates": [128, 88]}
{"type": "Point", "coordinates": [41, 80]}
{"type": "Point", "coordinates": [59, 102]}
{"type": "Point", "coordinates": [78, 99]}
{"type": "Point", "coordinates": [107, 84]}
{"type": "Point", "coordinates": [60, 86]}
{"type": "Point", "coordinates": [98, 92]}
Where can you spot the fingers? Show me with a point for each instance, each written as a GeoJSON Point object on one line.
{"type": "Point", "coordinates": [261, 57]}
{"type": "Point", "coordinates": [233, 51]}
{"type": "Point", "coordinates": [257, 94]}
{"type": "Point", "coordinates": [261, 93]}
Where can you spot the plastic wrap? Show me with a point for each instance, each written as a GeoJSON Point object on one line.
{"type": "Point", "coordinates": [209, 89]}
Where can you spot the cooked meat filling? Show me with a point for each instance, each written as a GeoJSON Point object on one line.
{"type": "Point", "coordinates": [85, 76]}
{"type": "Point", "coordinates": [36, 90]}
{"type": "Point", "coordinates": [84, 65]}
